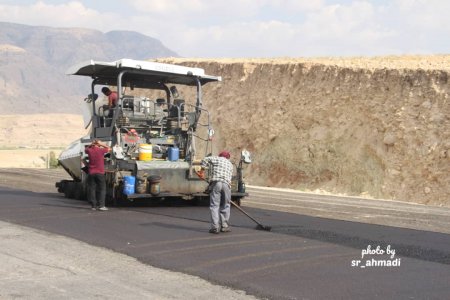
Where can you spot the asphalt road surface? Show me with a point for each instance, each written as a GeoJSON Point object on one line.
{"type": "Point", "coordinates": [310, 253]}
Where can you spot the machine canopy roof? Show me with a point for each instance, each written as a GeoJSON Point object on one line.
{"type": "Point", "coordinates": [141, 74]}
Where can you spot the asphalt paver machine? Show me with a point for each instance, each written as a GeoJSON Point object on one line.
{"type": "Point", "coordinates": [157, 137]}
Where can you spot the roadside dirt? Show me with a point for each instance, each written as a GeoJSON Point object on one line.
{"type": "Point", "coordinates": [40, 131]}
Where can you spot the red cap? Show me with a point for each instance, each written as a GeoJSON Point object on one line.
{"type": "Point", "coordinates": [225, 154]}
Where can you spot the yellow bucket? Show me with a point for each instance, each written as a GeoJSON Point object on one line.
{"type": "Point", "coordinates": [145, 152]}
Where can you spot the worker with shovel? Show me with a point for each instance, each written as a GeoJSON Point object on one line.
{"type": "Point", "coordinates": [221, 171]}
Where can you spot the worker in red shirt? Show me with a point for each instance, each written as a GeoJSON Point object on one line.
{"type": "Point", "coordinates": [112, 97]}
{"type": "Point", "coordinates": [112, 100]}
{"type": "Point", "coordinates": [96, 174]}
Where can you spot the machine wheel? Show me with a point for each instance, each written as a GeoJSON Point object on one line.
{"type": "Point", "coordinates": [62, 185]}
{"type": "Point", "coordinates": [237, 201]}
{"type": "Point", "coordinates": [113, 196]}
{"type": "Point", "coordinates": [69, 190]}
{"type": "Point", "coordinates": [79, 192]}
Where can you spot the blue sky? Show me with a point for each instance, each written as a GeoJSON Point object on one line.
{"type": "Point", "coordinates": [257, 28]}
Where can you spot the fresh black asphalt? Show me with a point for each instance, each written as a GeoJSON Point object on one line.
{"type": "Point", "coordinates": [302, 257]}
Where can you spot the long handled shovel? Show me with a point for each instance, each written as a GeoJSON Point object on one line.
{"type": "Point", "coordinates": [260, 226]}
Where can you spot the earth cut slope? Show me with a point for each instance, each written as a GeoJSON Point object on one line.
{"type": "Point", "coordinates": [377, 127]}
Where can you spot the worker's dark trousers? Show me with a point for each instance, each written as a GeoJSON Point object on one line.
{"type": "Point", "coordinates": [96, 189]}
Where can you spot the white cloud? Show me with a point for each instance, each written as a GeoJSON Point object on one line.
{"type": "Point", "coordinates": [326, 30]}
{"type": "Point", "coordinates": [186, 8]}
{"type": "Point", "coordinates": [193, 11]}
{"type": "Point", "coordinates": [71, 14]}
{"type": "Point", "coordinates": [251, 28]}
{"type": "Point", "coordinates": [255, 39]}
{"type": "Point", "coordinates": [290, 6]}
{"type": "Point", "coordinates": [177, 7]}
{"type": "Point", "coordinates": [424, 15]}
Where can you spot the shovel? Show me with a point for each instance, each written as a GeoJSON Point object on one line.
{"type": "Point", "coordinates": [260, 226]}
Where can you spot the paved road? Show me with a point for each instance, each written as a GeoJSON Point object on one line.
{"type": "Point", "coordinates": [303, 257]}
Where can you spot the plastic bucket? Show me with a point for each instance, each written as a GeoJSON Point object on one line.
{"type": "Point", "coordinates": [128, 184]}
{"type": "Point", "coordinates": [154, 181]}
{"type": "Point", "coordinates": [141, 185]}
{"type": "Point", "coordinates": [145, 152]}
{"type": "Point", "coordinates": [174, 153]}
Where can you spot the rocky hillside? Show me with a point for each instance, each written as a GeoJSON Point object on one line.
{"type": "Point", "coordinates": [33, 61]}
{"type": "Point", "coordinates": [378, 127]}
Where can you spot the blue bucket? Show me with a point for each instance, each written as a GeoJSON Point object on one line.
{"type": "Point", "coordinates": [128, 184]}
{"type": "Point", "coordinates": [174, 153]}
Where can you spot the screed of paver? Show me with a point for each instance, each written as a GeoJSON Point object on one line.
{"type": "Point", "coordinates": [39, 265]}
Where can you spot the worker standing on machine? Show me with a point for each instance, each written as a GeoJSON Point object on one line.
{"type": "Point", "coordinates": [112, 100]}
{"type": "Point", "coordinates": [96, 174]}
{"type": "Point", "coordinates": [221, 171]}
{"type": "Point", "coordinates": [112, 97]}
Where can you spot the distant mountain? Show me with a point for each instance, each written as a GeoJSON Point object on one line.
{"type": "Point", "coordinates": [33, 61]}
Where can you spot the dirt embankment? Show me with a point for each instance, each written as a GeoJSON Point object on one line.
{"type": "Point", "coordinates": [378, 127]}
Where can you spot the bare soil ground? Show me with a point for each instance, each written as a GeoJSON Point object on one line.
{"type": "Point", "coordinates": [26, 141]}
{"type": "Point", "coordinates": [40, 131]}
